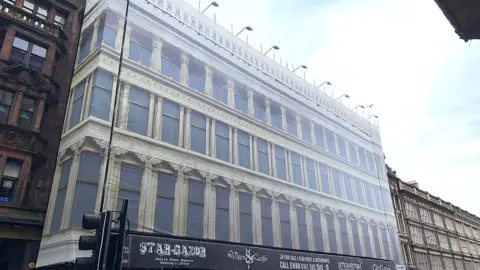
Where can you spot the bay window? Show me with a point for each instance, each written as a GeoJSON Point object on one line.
{"type": "Point", "coordinates": [220, 88]}
{"type": "Point", "coordinates": [28, 53]}
{"type": "Point", "coordinates": [139, 106]}
{"type": "Point", "coordinates": [196, 76]}
{"type": "Point", "coordinates": [27, 108]}
{"type": "Point", "coordinates": [171, 63]}
{"type": "Point", "coordinates": [107, 32]}
{"type": "Point", "coordinates": [140, 49]}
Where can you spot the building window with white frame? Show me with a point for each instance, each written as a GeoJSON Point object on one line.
{"type": "Point", "coordinates": [337, 183]}
{"type": "Point", "coordinates": [448, 263]}
{"type": "Point", "coordinates": [371, 162]}
{"type": "Point", "coordinates": [359, 191]}
{"type": "Point", "coordinates": [376, 239]}
{"type": "Point", "coordinates": [243, 149]}
{"type": "Point", "coordinates": [331, 144]}
{"type": "Point", "coordinates": [459, 264]}
{"type": "Point", "coordinates": [222, 213]}
{"type": "Point", "coordinates": [442, 238]}
{"type": "Point", "coordinates": [473, 248]}
{"type": "Point", "coordinates": [140, 49]}
{"type": "Point", "coordinates": [77, 103]}
{"type": "Point", "coordinates": [165, 200]}
{"type": "Point", "coordinates": [436, 262]}
{"type": "Point", "coordinates": [241, 98]}
{"type": "Point", "coordinates": [262, 156]}
{"type": "Point", "coordinates": [342, 221]}
{"type": "Point", "coordinates": [171, 62]}
{"type": "Point", "coordinates": [170, 122]}
{"type": "Point", "coordinates": [352, 149]}
{"type": "Point", "coordinates": [438, 220]}
{"type": "Point", "coordinates": [285, 224]}
{"type": "Point", "coordinates": [362, 157]}
{"type": "Point", "coordinates": [291, 123]}
{"type": "Point", "coordinates": [306, 133]}
{"type": "Point", "coordinates": [198, 134]}
{"type": "Point", "coordinates": [276, 115]}
{"type": "Point", "coordinates": [411, 210]}
{"type": "Point", "coordinates": [280, 162]}
{"type": "Point", "coordinates": [422, 260]}
{"type": "Point", "coordinates": [222, 141]}
{"type": "Point", "coordinates": [431, 238]}
{"type": "Point", "coordinates": [367, 187]}
{"type": "Point", "coordinates": [220, 88]}
{"type": "Point", "coordinates": [465, 248]}
{"type": "Point", "coordinates": [324, 179]}
{"type": "Point", "coordinates": [107, 31]}
{"type": "Point", "coordinates": [302, 227]}
{"type": "Point", "coordinates": [342, 147]}
{"type": "Point", "coordinates": [260, 110]}
{"type": "Point", "coordinates": [386, 245]}
{"type": "Point", "coordinates": [130, 188]}
{"type": "Point", "coordinates": [101, 94]}
{"type": "Point", "coordinates": [311, 176]}
{"type": "Point", "coordinates": [348, 184]}
{"type": "Point", "coordinates": [319, 136]}
{"type": "Point", "coordinates": [61, 196]}
{"type": "Point", "coordinates": [366, 239]}
{"type": "Point", "coordinates": [138, 111]}
{"type": "Point", "coordinates": [317, 231]}
{"type": "Point", "coordinates": [267, 225]}
{"type": "Point", "coordinates": [332, 237]}
{"type": "Point", "coordinates": [246, 225]}
{"type": "Point", "coordinates": [296, 168]}
{"type": "Point", "coordinates": [195, 208]}
{"type": "Point", "coordinates": [449, 224]}
{"type": "Point", "coordinates": [196, 75]}
{"type": "Point", "coordinates": [378, 197]}
{"type": "Point", "coordinates": [459, 227]}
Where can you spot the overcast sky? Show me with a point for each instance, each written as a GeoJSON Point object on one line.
{"type": "Point", "coordinates": [404, 57]}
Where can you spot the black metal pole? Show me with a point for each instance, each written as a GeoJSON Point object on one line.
{"type": "Point", "coordinates": [121, 236]}
{"type": "Point", "coordinates": [115, 102]}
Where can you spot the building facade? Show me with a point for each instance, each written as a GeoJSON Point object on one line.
{"type": "Point", "coordinates": [434, 234]}
{"type": "Point", "coordinates": [38, 41]}
{"type": "Point", "coordinates": [211, 139]}
{"type": "Point", "coordinates": [464, 16]}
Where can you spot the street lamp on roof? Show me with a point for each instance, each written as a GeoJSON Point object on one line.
{"type": "Point", "coordinates": [344, 95]}
{"type": "Point", "coordinates": [215, 4]}
{"type": "Point", "coordinates": [274, 47]}
{"type": "Point", "coordinates": [373, 115]}
{"type": "Point", "coordinates": [325, 82]}
{"type": "Point", "coordinates": [248, 28]}
{"type": "Point", "coordinates": [301, 66]}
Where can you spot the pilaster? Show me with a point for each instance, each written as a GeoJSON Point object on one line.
{"type": "Point", "coordinates": [299, 126]}
{"type": "Point", "coordinates": [310, 233]}
{"type": "Point", "coordinates": [272, 158]}
{"type": "Point", "coordinates": [119, 37]}
{"type": "Point", "coordinates": [372, 242]}
{"type": "Point", "coordinates": [207, 137]}
{"type": "Point", "coordinates": [326, 240]}
{"type": "Point", "coordinates": [362, 240]}
{"type": "Point", "coordinates": [122, 121]}
{"type": "Point", "coordinates": [38, 114]}
{"type": "Point", "coordinates": [235, 146]}
{"type": "Point", "coordinates": [251, 107]}
{"type": "Point", "coordinates": [72, 183]}
{"type": "Point", "coordinates": [17, 103]}
{"type": "Point", "coordinates": [231, 93]}
{"type": "Point", "coordinates": [184, 70]}
{"type": "Point", "coordinates": [252, 154]}
{"type": "Point", "coordinates": [87, 93]}
{"type": "Point", "coordinates": [277, 237]}
{"type": "Point", "coordinates": [234, 212]}
{"type": "Point", "coordinates": [294, 224]}
{"type": "Point", "coordinates": [212, 139]}
{"type": "Point", "coordinates": [181, 126]}
{"type": "Point", "coordinates": [103, 166]}
{"type": "Point", "coordinates": [312, 132]}
{"type": "Point", "coordinates": [288, 165]}
{"type": "Point", "coordinates": [350, 236]}
{"type": "Point", "coordinates": [208, 191]}
{"type": "Point", "coordinates": [96, 25]}
{"type": "Point", "coordinates": [284, 119]}
{"type": "Point", "coordinates": [338, 234]}
{"type": "Point", "coordinates": [255, 154]}
{"type": "Point", "coordinates": [211, 204]}
{"type": "Point", "coordinates": [151, 112]}
{"type": "Point", "coordinates": [181, 200]}
{"type": "Point", "coordinates": [112, 98]}
{"type": "Point", "coordinates": [208, 81]}
{"type": "Point", "coordinates": [268, 112]}
{"type": "Point", "coordinates": [230, 150]}
{"type": "Point", "coordinates": [157, 55]}
{"type": "Point", "coordinates": [126, 44]}
{"type": "Point", "coordinates": [256, 216]}
{"type": "Point", "coordinates": [113, 180]}
{"type": "Point", "coordinates": [157, 133]}
{"type": "Point", "coordinates": [186, 137]}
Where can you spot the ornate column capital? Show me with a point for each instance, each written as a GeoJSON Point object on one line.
{"type": "Point", "coordinates": [60, 155]}
{"type": "Point", "coordinates": [231, 84]}
{"type": "Point", "coordinates": [283, 110]}
{"type": "Point", "coordinates": [208, 176]}
{"type": "Point", "coordinates": [185, 59]}
{"type": "Point", "coordinates": [208, 72]}
{"type": "Point", "coordinates": [180, 168]}
{"type": "Point", "coordinates": [148, 161]}
{"type": "Point", "coordinates": [267, 102]}
{"type": "Point", "coordinates": [157, 43]}
{"type": "Point", "coordinates": [250, 92]}
{"type": "Point", "coordinates": [77, 146]}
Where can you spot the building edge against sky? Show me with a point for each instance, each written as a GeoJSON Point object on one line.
{"type": "Point", "coordinates": [211, 140]}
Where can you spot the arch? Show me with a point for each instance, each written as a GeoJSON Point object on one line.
{"type": "Point", "coordinates": [299, 202]}
{"type": "Point", "coordinates": [220, 181]}
{"type": "Point", "coordinates": [328, 210]}
{"type": "Point", "coordinates": [244, 188]}
{"type": "Point", "coordinates": [264, 193]}
{"type": "Point", "coordinates": [340, 213]}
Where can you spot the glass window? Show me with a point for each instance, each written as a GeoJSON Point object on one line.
{"type": "Point", "coordinates": [222, 215]}
{"type": "Point", "coordinates": [317, 231]}
{"type": "Point", "coordinates": [337, 183]}
{"type": "Point", "coordinates": [241, 99]}
{"type": "Point", "coordinates": [356, 237]}
{"type": "Point", "coordinates": [366, 239]}
{"type": "Point", "coordinates": [130, 185]}
{"type": "Point", "coordinates": [353, 152]}
{"type": "Point", "coordinates": [368, 194]}
{"type": "Point", "coordinates": [291, 124]}
{"type": "Point", "coordinates": [359, 191]}
{"type": "Point", "coordinates": [302, 228]}
{"type": "Point", "coordinates": [311, 176]}
{"type": "Point", "coordinates": [243, 149]}
{"type": "Point", "coordinates": [222, 141]}
{"type": "Point", "coordinates": [296, 168]}
{"type": "Point", "coordinates": [170, 122]}
{"type": "Point", "coordinates": [260, 110]}
{"type": "Point", "coordinates": [198, 135]}
{"type": "Point", "coordinates": [87, 182]}
{"type": "Point", "coordinates": [380, 163]}
{"type": "Point", "coordinates": [306, 133]}
{"type": "Point", "coordinates": [276, 115]}
{"type": "Point", "coordinates": [285, 224]}
{"type": "Point", "coordinates": [171, 63]}
{"type": "Point", "coordinates": [77, 103]}
{"type": "Point", "coordinates": [165, 202]}
{"type": "Point", "coordinates": [6, 99]}
{"type": "Point", "coordinates": [378, 197]}
{"type": "Point", "coordinates": [263, 159]}
{"type": "Point", "coordinates": [371, 163]}
{"type": "Point", "coordinates": [347, 181]}
{"type": "Point", "coordinates": [280, 162]}
{"type": "Point", "coordinates": [387, 200]}
{"type": "Point", "coordinates": [362, 157]}
{"type": "Point", "coordinates": [458, 264]}
{"type": "Point", "coordinates": [386, 246]}
{"type": "Point", "coordinates": [342, 147]}
{"type": "Point", "coordinates": [61, 195]}
{"type": "Point", "coordinates": [10, 179]}
{"type": "Point", "coordinates": [25, 119]}
{"type": "Point", "coordinates": [28, 53]}
{"type": "Point", "coordinates": [319, 136]}
{"type": "Point", "coordinates": [60, 19]}
{"type": "Point", "coordinates": [195, 208]}
{"type": "Point", "coordinates": [85, 44]}
{"type": "Point", "coordinates": [138, 111]}
{"type": "Point", "coordinates": [246, 222]}
{"type": "Point", "coordinates": [196, 76]}
{"type": "Point", "coordinates": [220, 89]}
{"type": "Point", "coordinates": [376, 240]}
{"type": "Point", "coordinates": [330, 141]}
{"type": "Point", "coordinates": [324, 179]}
{"type": "Point", "coordinates": [332, 238]}
{"type": "Point", "coordinates": [393, 239]}
{"type": "Point", "coordinates": [342, 221]}
{"type": "Point", "coordinates": [29, 5]}
{"type": "Point", "coordinates": [101, 94]}
{"type": "Point", "coordinates": [267, 229]}
{"type": "Point", "coordinates": [140, 49]}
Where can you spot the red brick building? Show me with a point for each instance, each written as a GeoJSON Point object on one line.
{"type": "Point", "coordinates": [38, 45]}
{"type": "Point", "coordinates": [464, 16]}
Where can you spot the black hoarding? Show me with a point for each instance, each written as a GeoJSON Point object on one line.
{"type": "Point", "coordinates": [142, 251]}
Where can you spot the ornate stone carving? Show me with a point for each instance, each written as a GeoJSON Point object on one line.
{"type": "Point", "coordinates": [60, 155]}
{"type": "Point", "coordinates": [18, 140]}
{"type": "Point", "coordinates": [118, 151]}
{"type": "Point", "coordinates": [208, 176]}
{"type": "Point", "coordinates": [76, 146]}
{"type": "Point", "coordinates": [180, 168]}
{"type": "Point", "coordinates": [149, 161]}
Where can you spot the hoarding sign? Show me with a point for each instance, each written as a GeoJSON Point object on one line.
{"type": "Point", "coordinates": [163, 252]}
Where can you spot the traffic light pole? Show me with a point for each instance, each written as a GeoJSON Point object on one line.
{"type": "Point", "coordinates": [121, 235]}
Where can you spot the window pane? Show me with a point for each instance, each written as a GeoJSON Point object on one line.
{"type": "Point", "coordinates": [359, 191]}
{"type": "Point", "coordinates": [347, 181]}
{"type": "Point", "coordinates": [285, 229]}
{"type": "Point", "coordinates": [135, 52]}
{"type": "Point", "coordinates": [332, 238]}
{"type": "Point", "coordinates": [325, 181]}
{"type": "Point", "coordinates": [378, 198]}
{"type": "Point", "coordinates": [353, 153]}
{"type": "Point", "coordinates": [246, 229]}
{"type": "Point", "coordinates": [366, 240]}
{"type": "Point", "coordinates": [319, 136]}
{"type": "Point", "coordinates": [376, 241]}
{"type": "Point", "coordinates": [101, 94]}
{"type": "Point", "coordinates": [198, 132]}
{"type": "Point", "coordinates": [130, 183]}
{"type": "Point", "coordinates": [241, 102]}
{"type": "Point", "coordinates": [170, 122]}
{"type": "Point", "coordinates": [39, 51]}
{"type": "Point", "coordinates": [302, 228]}
{"type": "Point", "coordinates": [362, 157]}
{"type": "Point", "coordinates": [371, 163]}
{"type": "Point", "coordinates": [337, 183]}
{"type": "Point", "coordinates": [311, 176]}
{"type": "Point", "coordinates": [307, 135]}
{"type": "Point", "coordinates": [276, 120]}
{"type": "Point", "coordinates": [368, 194]}
{"type": "Point", "coordinates": [165, 202]}
{"type": "Point", "coordinates": [222, 218]}
{"type": "Point", "coordinates": [344, 235]}
{"type": "Point", "coordinates": [342, 148]}
{"type": "Point", "coordinates": [263, 159]}
{"type": "Point", "coordinates": [222, 143]}
{"type": "Point", "coordinates": [146, 57]}
{"type": "Point", "coordinates": [356, 237]}
{"type": "Point", "coordinates": [280, 162]}
{"type": "Point", "coordinates": [220, 94]}
{"type": "Point", "coordinates": [20, 43]}
{"type": "Point", "coordinates": [62, 191]}
{"type": "Point", "coordinates": [195, 208]}
{"type": "Point", "coordinates": [243, 149]}
{"type": "Point", "coordinates": [317, 231]}
{"type": "Point", "coordinates": [77, 104]}
{"type": "Point", "coordinates": [267, 229]}
{"type": "Point", "coordinates": [386, 246]}
{"type": "Point", "coordinates": [138, 111]}
{"type": "Point", "coordinates": [296, 168]}
{"type": "Point", "coordinates": [292, 126]}
{"type": "Point", "coordinates": [330, 141]}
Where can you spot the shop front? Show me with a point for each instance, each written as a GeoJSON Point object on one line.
{"type": "Point", "coordinates": [166, 252]}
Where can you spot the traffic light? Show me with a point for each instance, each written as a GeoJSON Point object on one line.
{"type": "Point", "coordinates": [97, 243]}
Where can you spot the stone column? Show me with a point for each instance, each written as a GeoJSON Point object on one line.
{"type": "Point", "coordinates": [256, 216]}
{"type": "Point", "coordinates": [251, 107]}
{"type": "Point", "coordinates": [231, 93]}
{"type": "Point", "coordinates": [157, 55]}
{"type": "Point", "coordinates": [234, 212]}
{"type": "Point", "coordinates": [157, 133]}
{"type": "Point", "coordinates": [208, 81]}
{"type": "Point", "coordinates": [184, 70]}
{"type": "Point", "coordinates": [310, 233]}
{"type": "Point", "coordinates": [151, 112]}
{"type": "Point", "coordinates": [362, 242]}
{"type": "Point", "coordinates": [294, 225]}
{"type": "Point", "coordinates": [273, 164]}
{"type": "Point", "coordinates": [299, 126]}
{"type": "Point", "coordinates": [207, 196]}
{"type": "Point", "coordinates": [87, 97]}
{"type": "Point", "coordinates": [123, 119]}
{"type": "Point", "coordinates": [112, 99]}
{"type": "Point", "coordinates": [113, 179]}
{"type": "Point", "coordinates": [277, 237]}
{"type": "Point", "coordinates": [38, 114]}
{"type": "Point", "coordinates": [303, 165]}
{"type": "Point", "coordinates": [53, 193]}
{"type": "Point", "coordinates": [211, 204]}
{"type": "Point", "coordinates": [252, 154]}
{"type": "Point", "coordinates": [267, 111]}
{"type": "Point", "coordinates": [96, 25]}
{"type": "Point", "coordinates": [235, 146]}
{"type": "Point", "coordinates": [126, 44]}
{"type": "Point", "coordinates": [284, 119]}
{"type": "Point", "coordinates": [72, 184]}
{"type": "Point", "coordinates": [181, 200]}
{"type": "Point", "coordinates": [350, 236]}
{"type": "Point", "coordinates": [186, 137]}
{"type": "Point", "coordinates": [101, 178]}
{"type": "Point", "coordinates": [255, 154]}
{"type": "Point", "coordinates": [207, 137]}
{"type": "Point", "coordinates": [212, 139]}
{"type": "Point", "coordinates": [181, 127]}
{"type": "Point", "coordinates": [338, 235]}
{"type": "Point", "coordinates": [144, 204]}
{"type": "Point", "coordinates": [312, 132]}
{"type": "Point", "coordinates": [17, 104]}
{"type": "Point", "coordinates": [230, 148]}
{"type": "Point", "coordinates": [119, 37]}
{"type": "Point", "coordinates": [288, 165]}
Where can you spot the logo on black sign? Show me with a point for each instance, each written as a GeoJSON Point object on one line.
{"type": "Point", "coordinates": [247, 257]}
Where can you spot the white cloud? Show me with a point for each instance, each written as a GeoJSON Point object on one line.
{"type": "Point", "coordinates": [404, 57]}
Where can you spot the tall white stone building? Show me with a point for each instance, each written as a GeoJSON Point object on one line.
{"type": "Point", "coordinates": [212, 139]}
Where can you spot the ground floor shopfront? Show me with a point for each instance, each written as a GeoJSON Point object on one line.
{"type": "Point", "coordinates": [19, 245]}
